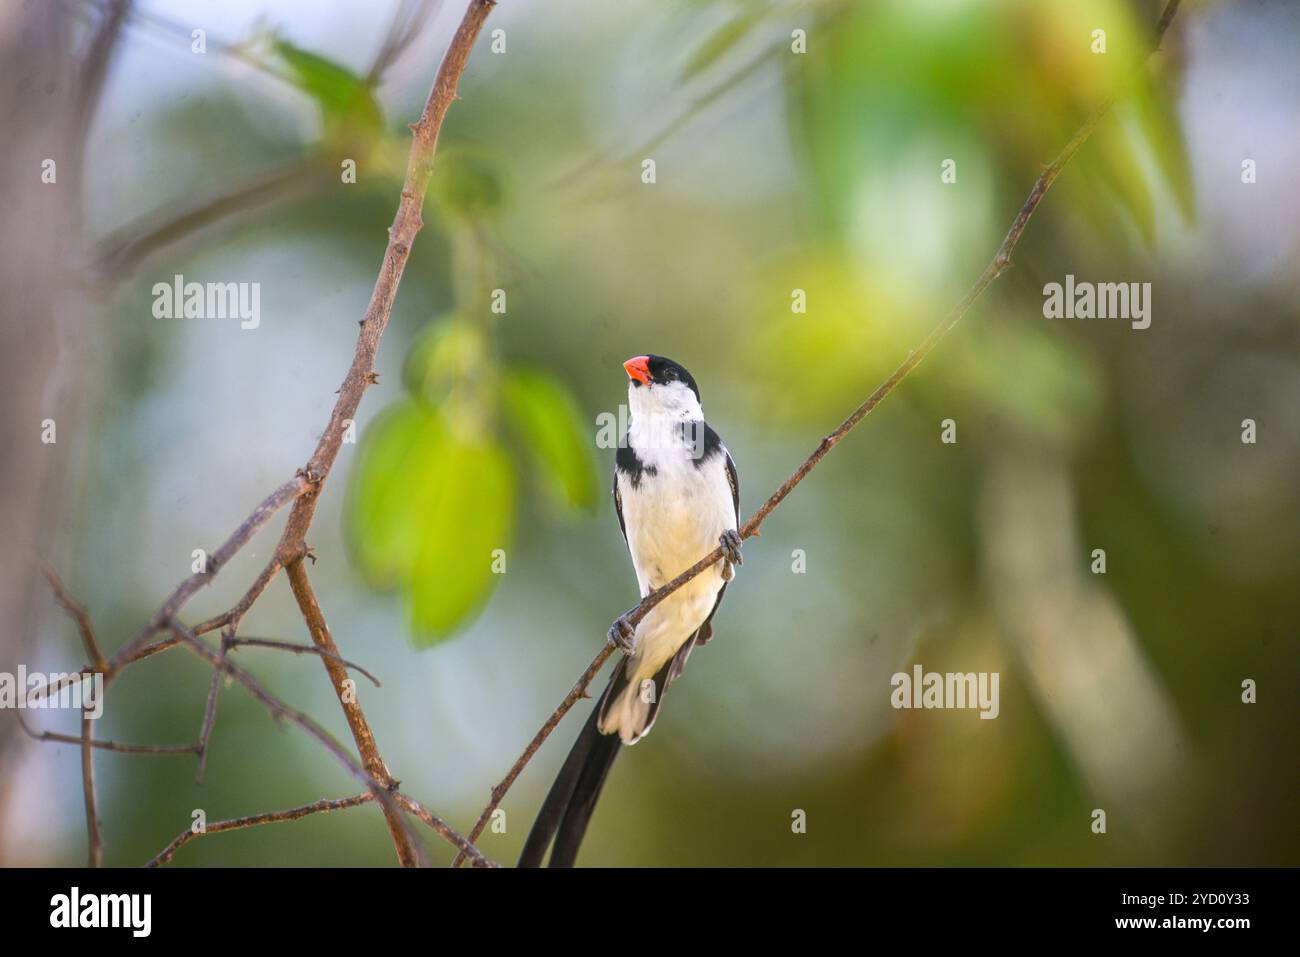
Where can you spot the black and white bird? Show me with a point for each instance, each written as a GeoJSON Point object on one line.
{"type": "Point", "coordinates": [677, 497]}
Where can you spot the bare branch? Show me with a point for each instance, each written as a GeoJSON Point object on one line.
{"type": "Point", "coordinates": [579, 690]}
{"type": "Point", "coordinates": [467, 848]}
{"type": "Point", "coordinates": [280, 710]}
{"type": "Point", "coordinates": [401, 234]}
{"type": "Point", "coordinates": [302, 650]}
{"type": "Point", "coordinates": [286, 493]}
{"type": "Point", "coordinates": [356, 717]}
{"type": "Point", "coordinates": [79, 615]}
{"type": "Point", "coordinates": [209, 720]}
{"type": "Point", "coordinates": [235, 615]}
{"type": "Point", "coordinates": [407, 222]}
{"type": "Point", "coordinates": [95, 854]}
{"type": "Point", "coordinates": [54, 736]}
{"type": "Point", "coordinates": [1001, 261]}
{"type": "Point", "coordinates": [272, 817]}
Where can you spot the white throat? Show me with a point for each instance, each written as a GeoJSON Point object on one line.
{"type": "Point", "coordinates": [665, 418]}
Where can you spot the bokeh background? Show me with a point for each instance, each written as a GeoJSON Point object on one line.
{"type": "Point", "coordinates": [775, 171]}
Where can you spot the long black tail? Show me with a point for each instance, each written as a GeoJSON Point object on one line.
{"type": "Point", "coordinates": [572, 798]}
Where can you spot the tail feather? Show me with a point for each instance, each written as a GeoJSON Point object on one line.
{"type": "Point", "coordinates": [573, 827]}
{"type": "Point", "coordinates": [569, 804]}
{"type": "Point", "coordinates": [591, 750]}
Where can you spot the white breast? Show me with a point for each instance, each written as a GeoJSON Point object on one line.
{"type": "Point", "coordinates": [674, 516]}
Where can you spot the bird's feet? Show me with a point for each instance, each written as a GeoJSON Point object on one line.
{"type": "Point", "coordinates": [730, 541]}
{"type": "Point", "coordinates": [622, 634]}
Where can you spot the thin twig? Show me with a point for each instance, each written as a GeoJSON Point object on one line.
{"type": "Point", "coordinates": [296, 648]}
{"type": "Point", "coordinates": [292, 547]}
{"type": "Point", "coordinates": [95, 854]}
{"type": "Point", "coordinates": [280, 710]}
{"type": "Point", "coordinates": [78, 614]}
{"type": "Point", "coordinates": [407, 222]}
{"type": "Point", "coordinates": [579, 690]}
{"type": "Point", "coordinates": [254, 820]}
{"type": "Point", "coordinates": [234, 616]}
{"type": "Point", "coordinates": [345, 689]}
{"type": "Point", "coordinates": [1001, 262]}
{"type": "Point", "coordinates": [209, 719]}
{"type": "Point", "coordinates": [466, 847]}
{"type": "Point", "coordinates": [54, 736]}
{"type": "Point", "coordinates": [286, 493]}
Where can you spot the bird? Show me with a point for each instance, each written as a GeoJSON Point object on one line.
{"type": "Point", "coordinates": [677, 497]}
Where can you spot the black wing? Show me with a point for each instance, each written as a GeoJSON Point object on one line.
{"type": "Point", "coordinates": [618, 507]}
{"type": "Point", "coordinates": [734, 481]}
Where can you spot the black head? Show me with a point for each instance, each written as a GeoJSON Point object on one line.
{"type": "Point", "coordinates": [656, 370]}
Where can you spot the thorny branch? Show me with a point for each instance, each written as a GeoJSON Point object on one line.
{"type": "Point", "coordinates": [253, 820]}
{"type": "Point", "coordinates": [303, 491]}
{"type": "Point", "coordinates": [1000, 262]}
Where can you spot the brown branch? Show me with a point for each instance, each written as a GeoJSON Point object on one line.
{"type": "Point", "coordinates": [407, 222]}
{"type": "Point", "coordinates": [95, 841]}
{"type": "Point", "coordinates": [344, 688]}
{"type": "Point", "coordinates": [95, 854]}
{"type": "Point", "coordinates": [254, 820]}
{"type": "Point", "coordinates": [209, 720]}
{"type": "Point", "coordinates": [466, 847]}
{"type": "Point", "coordinates": [78, 614]}
{"type": "Point", "coordinates": [401, 234]}
{"type": "Point", "coordinates": [381, 789]}
{"type": "Point", "coordinates": [131, 651]}
{"type": "Point", "coordinates": [579, 690]}
{"type": "Point", "coordinates": [1001, 262]}
{"type": "Point", "coordinates": [304, 490]}
{"type": "Point", "coordinates": [57, 738]}
{"type": "Point", "coordinates": [302, 650]}
{"type": "Point", "coordinates": [235, 615]}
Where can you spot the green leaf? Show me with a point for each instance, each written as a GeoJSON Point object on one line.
{"type": "Point", "coordinates": [347, 103]}
{"type": "Point", "coordinates": [446, 352]}
{"type": "Point", "coordinates": [384, 496]}
{"type": "Point", "coordinates": [426, 509]}
{"type": "Point", "coordinates": [469, 513]}
{"type": "Point", "coordinates": [550, 423]}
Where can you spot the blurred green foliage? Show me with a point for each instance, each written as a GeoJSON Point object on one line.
{"type": "Point", "coordinates": [818, 172]}
{"type": "Point", "coordinates": [433, 494]}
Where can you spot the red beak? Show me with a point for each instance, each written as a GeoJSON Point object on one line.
{"type": "Point", "coordinates": [638, 367]}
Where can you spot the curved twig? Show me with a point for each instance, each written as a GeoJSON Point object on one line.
{"type": "Point", "coordinates": [1000, 262]}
